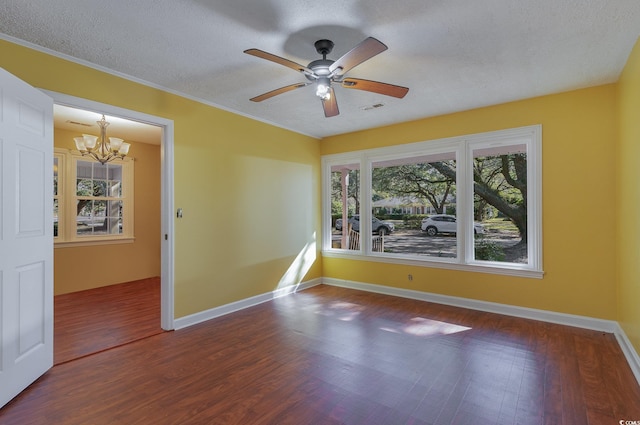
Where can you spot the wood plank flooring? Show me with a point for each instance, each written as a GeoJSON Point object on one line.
{"type": "Point", "coordinates": [330, 355]}
{"type": "Point", "coordinates": [94, 320]}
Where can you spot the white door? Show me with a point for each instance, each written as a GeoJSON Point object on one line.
{"type": "Point", "coordinates": [26, 235]}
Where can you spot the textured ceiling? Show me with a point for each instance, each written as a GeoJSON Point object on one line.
{"type": "Point", "coordinates": [453, 55]}
{"type": "Point", "coordinates": [85, 122]}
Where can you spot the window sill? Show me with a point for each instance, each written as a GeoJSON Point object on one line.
{"type": "Point", "coordinates": [511, 270]}
{"type": "Point", "coordinates": [93, 242]}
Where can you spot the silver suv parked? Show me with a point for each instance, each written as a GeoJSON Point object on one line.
{"type": "Point", "coordinates": [377, 226]}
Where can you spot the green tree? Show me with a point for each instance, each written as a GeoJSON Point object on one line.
{"type": "Point", "coordinates": [88, 187]}
{"type": "Point", "coordinates": [500, 181]}
{"type": "Point", "coordinates": [422, 181]}
{"type": "Point", "coordinates": [353, 192]}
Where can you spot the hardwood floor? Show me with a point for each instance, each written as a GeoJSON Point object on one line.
{"type": "Point", "coordinates": [87, 322]}
{"type": "Point", "coordinates": [330, 355]}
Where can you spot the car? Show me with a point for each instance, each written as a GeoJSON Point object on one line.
{"type": "Point", "coordinates": [445, 223]}
{"type": "Point", "coordinates": [377, 226]}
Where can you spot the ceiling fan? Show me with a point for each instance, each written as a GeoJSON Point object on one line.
{"type": "Point", "coordinates": [324, 72]}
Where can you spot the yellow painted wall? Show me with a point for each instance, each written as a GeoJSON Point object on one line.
{"type": "Point", "coordinates": [251, 194]}
{"type": "Point", "coordinates": [75, 267]}
{"type": "Point", "coordinates": [579, 138]}
{"type": "Point", "coordinates": [628, 200]}
{"type": "Point", "coordinates": [250, 191]}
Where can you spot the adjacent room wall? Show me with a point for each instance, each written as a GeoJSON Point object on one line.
{"type": "Point", "coordinates": [627, 206]}
{"type": "Point", "coordinates": [87, 267]}
{"type": "Point", "coordinates": [578, 149]}
{"type": "Point", "coordinates": [250, 192]}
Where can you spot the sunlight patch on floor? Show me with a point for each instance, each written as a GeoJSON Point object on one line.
{"type": "Point", "coordinates": [421, 327]}
{"type": "Point", "coordinates": [341, 310]}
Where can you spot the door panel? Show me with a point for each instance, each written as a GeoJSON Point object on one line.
{"type": "Point", "coordinates": [30, 193]}
{"type": "Point", "coordinates": [26, 235]}
{"type": "Point", "coordinates": [31, 319]}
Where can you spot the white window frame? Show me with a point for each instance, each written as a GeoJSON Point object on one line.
{"type": "Point", "coordinates": [67, 174]}
{"type": "Point", "coordinates": [462, 147]}
{"type": "Point", "coordinates": [61, 156]}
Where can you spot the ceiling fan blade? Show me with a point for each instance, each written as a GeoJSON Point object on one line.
{"type": "Point", "coordinates": [276, 92]}
{"type": "Point", "coordinates": [354, 57]}
{"type": "Point", "coordinates": [280, 60]}
{"type": "Point", "coordinates": [375, 86]}
{"type": "Point", "coordinates": [330, 105]}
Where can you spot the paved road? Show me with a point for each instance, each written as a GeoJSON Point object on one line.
{"type": "Point", "coordinates": [417, 242]}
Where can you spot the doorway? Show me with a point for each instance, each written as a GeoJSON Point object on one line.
{"type": "Point", "coordinates": [166, 321]}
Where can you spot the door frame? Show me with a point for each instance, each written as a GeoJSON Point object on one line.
{"type": "Point", "coordinates": [167, 190]}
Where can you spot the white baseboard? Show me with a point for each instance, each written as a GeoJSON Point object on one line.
{"type": "Point", "coordinates": [629, 352]}
{"type": "Point", "coordinates": [212, 313]}
{"type": "Point", "coordinates": [584, 322]}
{"type": "Point", "coordinates": [509, 310]}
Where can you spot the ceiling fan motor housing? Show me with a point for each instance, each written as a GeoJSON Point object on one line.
{"type": "Point", "coordinates": [320, 68]}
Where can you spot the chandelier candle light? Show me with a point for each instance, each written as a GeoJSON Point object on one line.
{"type": "Point", "coordinates": [101, 149]}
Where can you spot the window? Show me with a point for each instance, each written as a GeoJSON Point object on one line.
{"type": "Point", "coordinates": [416, 183]}
{"type": "Point", "coordinates": [345, 206]}
{"type": "Point", "coordinates": [500, 198]}
{"type": "Point", "coordinates": [93, 202]}
{"type": "Point", "coordinates": [57, 165]}
{"type": "Point", "coordinates": [471, 203]}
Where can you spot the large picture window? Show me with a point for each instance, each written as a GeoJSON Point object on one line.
{"type": "Point", "coordinates": [93, 202]}
{"type": "Point", "coordinates": [404, 190]}
{"type": "Point", "coordinates": [472, 202]}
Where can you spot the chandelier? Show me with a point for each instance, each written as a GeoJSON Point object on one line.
{"type": "Point", "coordinates": [101, 149]}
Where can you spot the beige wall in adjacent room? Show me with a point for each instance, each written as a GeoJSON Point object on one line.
{"type": "Point", "coordinates": [87, 267]}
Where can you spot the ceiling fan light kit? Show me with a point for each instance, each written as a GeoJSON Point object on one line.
{"type": "Point", "coordinates": [323, 86]}
{"type": "Point", "coordinates": [325, 72]}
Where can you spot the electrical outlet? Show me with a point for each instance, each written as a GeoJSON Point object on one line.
{"type": "Point", "coordinates": [410, 277]}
